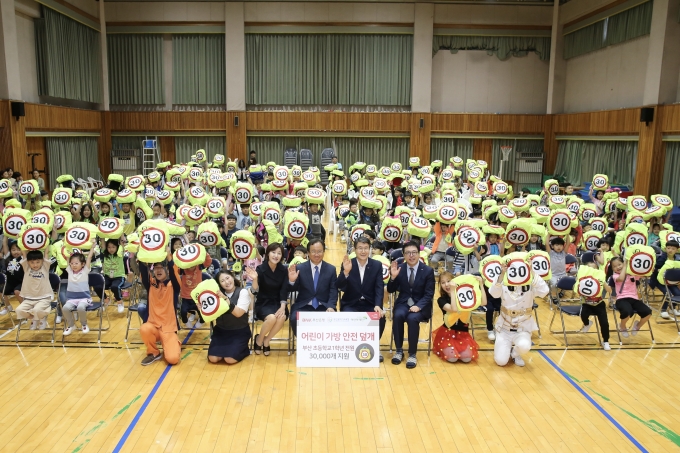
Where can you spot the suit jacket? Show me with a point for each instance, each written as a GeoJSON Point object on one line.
{"type": "Point", "coordinates": [326, 289]}
{"type": "Point", "coordinates": [371, 289]}
{"type": "Point", "coordinates": [422, 292]}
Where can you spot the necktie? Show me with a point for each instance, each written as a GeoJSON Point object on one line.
{"type": "Point", "coordinates": [411, 277]}
{"type": "Point", "coordinates": [315, 303]}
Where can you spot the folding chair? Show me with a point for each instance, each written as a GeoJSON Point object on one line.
{"type": "Point", "coordinates": [133, 304]}
{"type": "Point", "coordinates": [55, 283]}
{"type": "Point", "coordinates": [570, 307]}
{"type": "Point", "coordinates": [671, 294]}
{"type": "Point", "coordinates": [306, 159]}
{"type": "Point", "coordinates": [571, 259]}
{"type": "Point", "coordinates": [4, 299]}
{"type": "Point", "coordinates": [214, 267]}
{"type": "Point", "coordinates": [95, 280]}
{"type": "Point", "coordinates": [396, 254]}
{"type": "Point", "coordinates": [290, 157]}
{"type": "Point", "coordinates": [612, 298]}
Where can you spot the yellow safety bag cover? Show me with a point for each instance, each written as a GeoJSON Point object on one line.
{"type": "Point", "coordinates": [14, 220]}
{"type": "Point", "coordinates": [295, 225]}
{"type": "Point", "coordinates": [589, 282]}
{"type": "Point", "coordinates": [551, 187]}
{"type": "Point", "coordinates": [29, 189]}
{"type": "Point", "coordinates": [600, 182]}
{"type": "Point", "coordinates": [467, 239]}
{"type": "Point", "coordinates": [540, 263]}
{"type": "Point", "coordinates": [44, 216]}
{"type": "Point", "coordinates": [662, 272]}
{"type": "Point", "coordinates": [209, 300]}
{"type": "Point", "coordinates": [490, 269]}
{"type": "Point", "coordinates": [518, 232]}
{"type": "Point", "coordinates": [153, 243]}
{"type": "Point", "coordinates": [662, 200]}
{"type": "Point", "coordinates": [79, 235]}
{"type": "Point", "coordinates": [519, 271]}
{"type": "Point", "coordinates": [506, 214]}
{"type": "Point", "coordinates": [191, 255]}
{"type": "Point", "coordinates": [62, 221]}
{"type": "Point", "coordinates": [419, 227]}
{"type": "Point", "coordinates": [208, 235]}
{"type": "Point", "coordinates": [110, 228]}
{"type": "Point", "coordinates": [559, 222]}
{"type": "Point", "coordinates": [640, 260]}
{"type": "Point", "coordinates": [34, 236]}
{"type": "Point", "coordinates": [243, 245]}
{"type": "Point", "coordinates": [195, 216]}
{"type": "Point", "coordinates": [271, 211]}
{"type": "Point", "coordinates": [142, 209]}
{"type": "Point", "coordinates": [468, 296]}
{"type": "Point", "coordinates": [243, 193]}
{"type": "Point", "coordinates": [391, 230]}
{"type": "Point", "coordinates": [315, 196]}
{"type": "Point", "coordinates": [61, 198]}
{"type": "Point", "coordinates": [358, 231]}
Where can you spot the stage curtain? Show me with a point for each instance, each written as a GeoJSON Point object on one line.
{"type": "Point", "coordinates": [579, 160]}
{"type": "Point", "coordinates": [136, 69]}
{"type": "Point", "coordinates": [75, 156]}
{"type": "Point", "coordinates": [503, 47]}
{"type": "Point", "coordinates": [198, 69]}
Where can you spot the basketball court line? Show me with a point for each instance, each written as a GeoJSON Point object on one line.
{"type": "Point", "coordinates": [618, 426]}
{"type": "Point", "coordinates": [148, 399]}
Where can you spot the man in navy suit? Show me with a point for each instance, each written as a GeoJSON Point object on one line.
{"type": "Point", "coordinates": [362, 284]}
{"type": "Point", "coordinates": [315, 282]}
{"type": "Point", "coordinates": [415, 283]}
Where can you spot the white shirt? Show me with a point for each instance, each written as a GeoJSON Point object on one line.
{"type": "Point", "coordinates": [243, 301]}
{"type": "Point", "coordinates": [362, 269]}
{"type": "Point", "coordinates": [313, 267]}
{"type": "Point", "coordinates": [517, 300]}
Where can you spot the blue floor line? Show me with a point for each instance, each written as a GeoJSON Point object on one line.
{"type": "Point", "coordinates": [594, 403]}
{"type": "Point", "coordinates": [141, 410]}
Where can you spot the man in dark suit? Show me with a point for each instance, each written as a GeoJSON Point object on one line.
{"type": "Point", "coordinates": [362, 283]}
{"type": "Point", "coordinates": [415, 283]}
{"type": "Point", "coordinates": [315, 282]}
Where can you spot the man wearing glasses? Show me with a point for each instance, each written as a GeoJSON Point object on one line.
{"type": "Point", "coordinates": [415, 283]}
{"type": "Point", "coordinates": [315, 281]}
{"type": "Point", "coordinates": [362, 283]}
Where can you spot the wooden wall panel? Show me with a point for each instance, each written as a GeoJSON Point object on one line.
{"type": "Point", "coordinates": [52, 118]}
{"type": "Point", "coordinates": [328, 121]}
{"type": "Point", "coordinates": [420, 137]}
{"type": "Point", "coordinates": [13, 141]}
{"type": "Point", "coordinates": [670, 118]}
{"type": "Point", "coordinates": [650, 157]}
{"type": "Point", "coordinates": [36, 145]}
{"type": "Point", "coordinates": [236, 135]}
{"type": "Point", "coordinates": [607, 122]}
{"type": "Point", "coordinates": [487, 123]}
{"type": "Point", "coordinates": [168, 151]}
{"type": "Point", "coordinates": [167, 121]}
{"type": "Point", "coordinates": [482, 149]}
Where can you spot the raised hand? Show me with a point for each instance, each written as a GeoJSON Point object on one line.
{"type": "Point", "coordinates": [346, 265]}
{"type": "Point", "coordinates": [251, 273]}
{"type": "Point", "coordinates": [293, 273]}
{"type": "Point", "coordinates": [394, 270]}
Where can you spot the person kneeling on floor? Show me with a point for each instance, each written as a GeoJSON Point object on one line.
{"type": "Point", "coordinates": [161, 284]}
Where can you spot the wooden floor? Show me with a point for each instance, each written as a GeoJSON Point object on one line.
{"type": "Point", "coordinates": [90, 397]}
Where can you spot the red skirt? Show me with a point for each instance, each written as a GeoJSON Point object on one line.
{"type": "Point", "coordinates": [454, 344]}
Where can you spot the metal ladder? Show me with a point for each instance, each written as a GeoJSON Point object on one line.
{"type": "Point", "coordinates": [150, 155]}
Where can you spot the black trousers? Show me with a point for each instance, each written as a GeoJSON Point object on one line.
{"type": "Point", "coordinates": [492, 304]}
{"type": "Point", "coordinates": [364, 308]}
{"type": "Point", "coordinates": [293, 314]}
{"type": "Point", "coordinates": [599, 310]}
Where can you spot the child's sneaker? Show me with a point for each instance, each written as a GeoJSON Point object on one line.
{"type": "Point", "coordinates": [43, 324]}
{"type": "Point", "coordinates": [636, 328]}
{"type": "Point", "coordinates": [6, 309]}
{"type": "Point", "coordinates": [586, 328]}
{"type": "Point", "coordinates": [86, 329]}
{"type": "Point", "coordinates": [198, 324]}
{"type": "Point", "coordinates": [57, 320]}
{"type": "Point", "coordinates": [34, 325]}
{"type": "Point", "coordinates": [189, 324]}
{"type": "Point", "coordinates": [121, 308]}
{"type": "Point", "coordinates": [606, 347]}
{"type": "Point", "coordinates": [664, 315]}
{"type": "Point", "coordinates": [192, 318]}
{"type": "Point", "coordinates": [69, 330]}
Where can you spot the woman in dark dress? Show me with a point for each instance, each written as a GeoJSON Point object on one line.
{"type": "Point", "coordinates": [270, 284]}
{"type": "Point", "coordinates": [231, 333]}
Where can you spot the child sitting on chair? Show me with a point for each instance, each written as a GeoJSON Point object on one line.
{"type": "Point", "coordinates": [78, 290]}
{"type": "Point", "coordinates": [36, 290]}
{"type": "Point", "coordinates": [598, 307]}
{"type": "Point", "coordinates": [628, 302]}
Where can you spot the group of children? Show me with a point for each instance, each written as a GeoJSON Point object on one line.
{"type": "Point", "coordinates": [417, 192]}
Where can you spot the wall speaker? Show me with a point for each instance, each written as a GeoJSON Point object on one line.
{"type": "Point", "coordinates": [646, 115]}
{"type": "Point", "coordinates": [236, 121]}
{"type": "Point", "coordinates": [18, 110]}
{"type": "Point", "coordinates": [422, 123]}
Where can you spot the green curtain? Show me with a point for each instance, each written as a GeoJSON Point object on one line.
{"type": "Point", "coordinates": [328, 69]}
{"type": "Point", "coordinates": [185, 147]}
{"type": "Point", "coordinates": [518, 146]}
{"type": "Point", "coordinates": [624, 26]}
{"type": "Point", "coordinates": [671, 182]}
{"type": "Point", "coordinates": [503, 47]}
{"type": "Point", "coordinates": [198, 69]}
{"type": "Point", "coordinates": [381, 151]}
{"type": "Point", "coordinates": [136, 69]}
{"type": "Point", "coordinates": [579, 160]}
{"type": "Point", "coordinates": [445, 148]}
{"type": "Point", "coordinates": [68, 58]}
{"type": "Point", "coordinates": [76, 156]}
